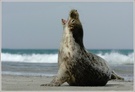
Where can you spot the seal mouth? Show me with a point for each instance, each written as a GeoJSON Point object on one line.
{"type": "Point", "coordinates": [74, 14]}
{"type": "Point", "coordinates": [64, 21]}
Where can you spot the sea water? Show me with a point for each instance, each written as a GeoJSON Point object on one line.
{"type": "Point", "coordinates": [43, 62]}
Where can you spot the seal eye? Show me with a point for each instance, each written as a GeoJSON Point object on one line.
{"type": "Point", "coordinates": [73, 21]}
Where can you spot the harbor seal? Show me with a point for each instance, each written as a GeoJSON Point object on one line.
{"type": "Point", "coordinates": [77, 66]}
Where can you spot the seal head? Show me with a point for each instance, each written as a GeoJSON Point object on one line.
{"type": "Point", "coordinates": [75, 26]}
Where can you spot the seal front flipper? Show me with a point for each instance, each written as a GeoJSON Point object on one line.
{"type": "Point", "coordinates": [116, 76]}
{"type": "Point", "coordinates": [55, 82]}
{"type": "Point", "coordinates": [61, 77]}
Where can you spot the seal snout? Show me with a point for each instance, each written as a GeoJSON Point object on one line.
{"type": "Point", "coordinates": [74, 14]}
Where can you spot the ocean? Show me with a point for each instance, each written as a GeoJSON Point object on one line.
{"type": "Point", "coordinates": [43, 62]}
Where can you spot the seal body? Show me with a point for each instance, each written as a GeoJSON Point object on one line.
{"type": "Point", "coordinates": [77, 66]}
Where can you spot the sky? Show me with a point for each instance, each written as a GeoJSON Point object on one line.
{"type": "Point", "coordinates": [32, 25]}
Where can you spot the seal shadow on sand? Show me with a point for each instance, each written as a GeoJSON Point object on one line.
{"type": "Point", "coordinates": [107, 85]}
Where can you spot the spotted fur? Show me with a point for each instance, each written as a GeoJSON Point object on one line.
{"type": "Point", "coordinates": [77, 66]}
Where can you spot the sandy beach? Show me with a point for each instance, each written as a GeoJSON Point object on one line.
{"type": "Point", "coordinates": [32, 83]}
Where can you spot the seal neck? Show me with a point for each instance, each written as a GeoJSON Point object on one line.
{"type": "Point", "coordinates": [78, 35]}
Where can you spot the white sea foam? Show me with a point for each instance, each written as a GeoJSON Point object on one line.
{"type": "Point", "coordinates": [34, 58]}
{"type": "Point", "coordinates": [112, 58]}
{"type": "Point", "coordinates": [117, 58]}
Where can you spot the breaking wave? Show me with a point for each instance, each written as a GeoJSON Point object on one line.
{"type": "Point", "coordinates": [111, 58]}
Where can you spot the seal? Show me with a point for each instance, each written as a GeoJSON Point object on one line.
{"type": "Point", "coordinates": [77, 66]}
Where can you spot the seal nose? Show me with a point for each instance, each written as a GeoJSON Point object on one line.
{"type": "Point", "coordinates": [75, 10]}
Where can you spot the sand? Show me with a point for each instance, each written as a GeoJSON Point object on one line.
{"type": "Point", "coordinates": [32, 83]}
